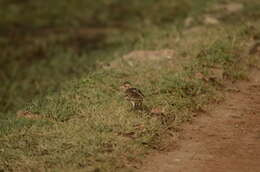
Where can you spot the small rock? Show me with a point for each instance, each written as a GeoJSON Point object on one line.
{"type": "Point", "coordinates": [234, 7]}
{"type": "Point", "coordinates": [188, 21]}
{"type": "Point", "coordinates": [146, 55]}
{"type": "Point", "coordinates": [210, 20]}
{"type": "Point", "coordinates": [217, 73]}
{"type": "Point", "coordinates": [27, 114]}
{"type": "Point", "coordinates": [177, 160]}
{"type": "Point", "coordinates": [229, 7]}
{"type": "Point", "coordinates": [157, 111]}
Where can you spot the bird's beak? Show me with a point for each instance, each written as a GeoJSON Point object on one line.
{"type": "Point", "coordinates": [122, 87]}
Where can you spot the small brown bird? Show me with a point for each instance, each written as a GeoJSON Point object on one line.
{"type": "Point", "coordinates": [255, 49]}
{"type": "Point", "coordinates": [133, 95]}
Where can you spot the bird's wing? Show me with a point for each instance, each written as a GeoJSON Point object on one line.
{"type": "Point", "coordinates": [136, 93]}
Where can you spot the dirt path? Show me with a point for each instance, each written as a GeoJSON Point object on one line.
{"type": "Point", "coordinates": [225, 139]}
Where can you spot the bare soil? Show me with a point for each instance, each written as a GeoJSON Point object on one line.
{"type": "Point", "coordinates": [226, 138]}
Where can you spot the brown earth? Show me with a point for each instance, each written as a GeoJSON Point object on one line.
{"type": "Point", "coordinates": [225, 139]}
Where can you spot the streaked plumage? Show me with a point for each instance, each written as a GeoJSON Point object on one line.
{"type": "Point", "coordinates": [134, 95]}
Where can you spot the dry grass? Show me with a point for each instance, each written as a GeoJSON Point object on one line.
{"type": "Point", "coordinates": [86, 125]}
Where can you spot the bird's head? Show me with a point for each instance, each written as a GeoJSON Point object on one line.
{"type": "Point", "coordinates": [126, 85]}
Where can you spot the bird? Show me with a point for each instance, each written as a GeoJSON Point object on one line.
{"type": "Point", "coordinates": [133, 95]}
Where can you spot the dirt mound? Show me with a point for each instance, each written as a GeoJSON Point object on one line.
{"type": "Point", "coordinates": [142, 57]}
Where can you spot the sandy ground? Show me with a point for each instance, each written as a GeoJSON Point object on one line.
{"type": "Point", "coordinates": [225, 139]}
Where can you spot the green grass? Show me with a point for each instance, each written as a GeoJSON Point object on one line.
{"type": "Point", "coordinates": [84, 122]}
{"type": "Point", "coordinates": [87, 124]}
{"type": "Point", "coordinates": [55, 39]}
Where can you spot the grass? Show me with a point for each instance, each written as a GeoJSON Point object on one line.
{"type": "Point", "coordinates": [82, 32]}
{"type": "Point", "coordinates": [88, 125]}
{"type": "Point", "coordinates": [84, 124]}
